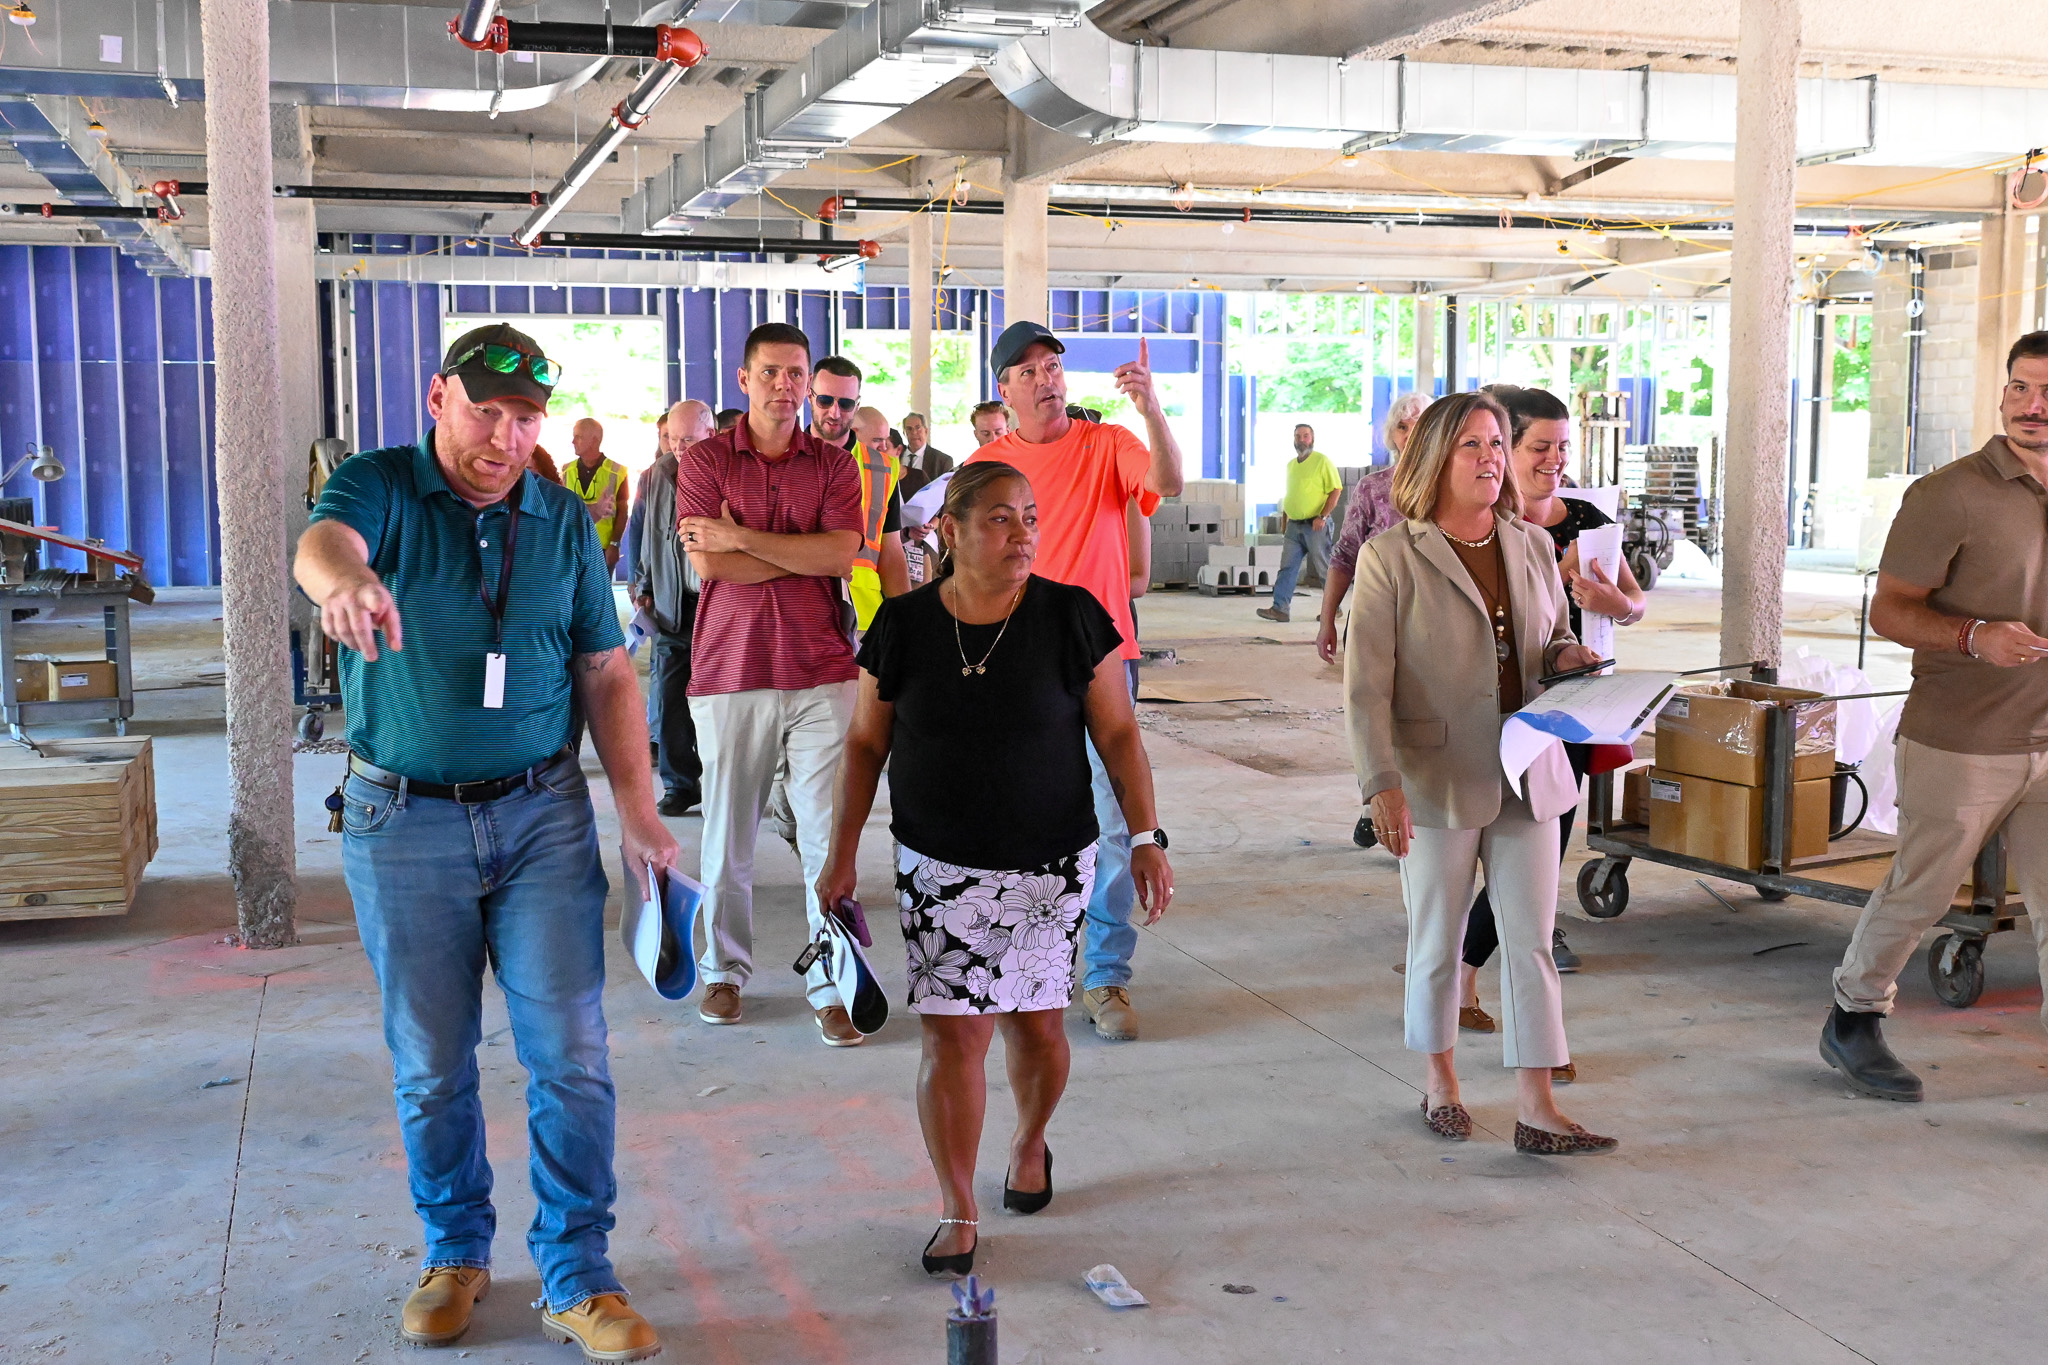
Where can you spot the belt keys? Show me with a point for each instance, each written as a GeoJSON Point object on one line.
{"type": "Point", "coordinates": [333, 804]}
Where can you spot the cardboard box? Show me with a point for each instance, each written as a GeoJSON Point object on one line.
{"type": "Point", "coordinates": [1716, 730]}
{"type": "Point", "coordinates": [1723, 822]}
{"type": "Point", "coordinates": [81, 679]}
{"type": "Point", "coordinates": [1635, 796]}
{"type": "Point", "coordinates": [31, 680]}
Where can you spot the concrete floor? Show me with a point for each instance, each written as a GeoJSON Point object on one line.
{"type": "Point", "coordinates": [1263, 1134]}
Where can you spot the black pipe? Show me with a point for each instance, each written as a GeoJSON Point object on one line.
{"type": "Point", "coordinates": [1229, 213]}
{"type": "Point", "coordinates": [600, 40]}
{"type": "Point", "coordinates": [703, 246]}
{"type": "Point", "coordinates": [377, 194]}
{"type": "Point", "coordinates": [74, 211]}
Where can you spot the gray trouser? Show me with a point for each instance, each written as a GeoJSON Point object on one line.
{"type": "Point", "coordinates": [1949, 804]}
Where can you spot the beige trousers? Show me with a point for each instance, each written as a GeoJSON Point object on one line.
{"type": "Point", "coordinates": [1520, 857]}
{"type": "Point", "coordinates": [744, 738]}
{"type": "Point", "coordinates": [1949, 804]}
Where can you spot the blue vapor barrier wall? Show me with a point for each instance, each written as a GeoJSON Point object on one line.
{"type": "Point", "coordinates": [112, 369]}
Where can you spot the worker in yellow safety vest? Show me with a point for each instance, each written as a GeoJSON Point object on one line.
{"type": "Point", "coordinates": [879, 569]}
{"type": "Point", "coordinates": [602, 485]}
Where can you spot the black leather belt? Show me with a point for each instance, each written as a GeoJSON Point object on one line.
{"type": "Point", "coordinates": [462, 793]}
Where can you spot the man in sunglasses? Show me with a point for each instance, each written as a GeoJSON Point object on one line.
{"type": "Point", "coordinates": [474, 610]}
{"type": "Point", "coordinates": [879, 569]}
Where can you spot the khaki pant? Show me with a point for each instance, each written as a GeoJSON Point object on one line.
{"type": "Point", "coordinates": [1520, 856]}
{"type": "Point", "coordinates": [1949, 804]}
{"type": "Point", "coordinates": [744, 737]}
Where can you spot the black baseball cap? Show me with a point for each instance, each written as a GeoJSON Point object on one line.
{"type": "Point", "coordinates": [1016, 339]}
{"type": "Point", "coordinates": [500, 361]}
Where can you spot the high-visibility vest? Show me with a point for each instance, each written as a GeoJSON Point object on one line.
{"type": "Point", "coordinates": [599, 489]}
{"type": "Point", "coordinates": [879, 475]}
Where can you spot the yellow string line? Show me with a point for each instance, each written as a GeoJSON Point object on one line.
{"type": "Point", "coordinates": [791, 207]}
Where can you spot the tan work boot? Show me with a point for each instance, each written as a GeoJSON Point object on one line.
{"type": "Point", "coordinates": [721, 1003]}
{"type": "Point", "coordinates": [1109, 1009]}
{"type": "Point", "coordinates": [437, 1312]}
{"type": "Point", "coordinates": [605, 1327]}
{"type": "Point", "coordinates": [835, 1026]}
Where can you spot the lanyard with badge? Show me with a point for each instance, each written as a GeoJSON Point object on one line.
{"type": "Point", "coordinates": [494, 662]}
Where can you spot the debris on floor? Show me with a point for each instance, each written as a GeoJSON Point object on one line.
{"type": "Point", "coordinates": [1109, 1285]}
{"type": "Point", "coordinates": [224, 1080]}
{"type": "Point", "coordinates": [1240, 1289]}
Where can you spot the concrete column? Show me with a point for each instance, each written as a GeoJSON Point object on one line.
{"type": "Point", "coordinates": [922, 305]}
{"type": "Point", "coordinates": [1760, 316]}
{"type": "Point", "coordinates": [1024, 213]}
{"type": "Point", "coordinates": [249, 432]}
{"type": "Point", "coordinates": [2003, 284]}
{"type": "Point", "coordinates": [1425, 345]}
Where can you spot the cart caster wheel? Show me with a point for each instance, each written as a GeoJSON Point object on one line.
{"type": "Point", "coordinates": [1644, 566]}
{"type": "Point", "coordinates": [1772, 893]}
{"type": "Point", "coordinates": [1607, 902]}
{"type": "Point", "coordinates": [1955, 966]}
{"type": "Point", "coordinates": [311, 727]}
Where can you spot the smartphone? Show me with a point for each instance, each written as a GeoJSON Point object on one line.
{"type": "Point", "coordinates": [855, 919]}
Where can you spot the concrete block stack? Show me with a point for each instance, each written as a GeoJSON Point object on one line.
{"type": "Point", "coordinates": [1206, 518]}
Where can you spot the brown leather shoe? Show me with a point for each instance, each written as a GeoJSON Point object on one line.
{"type": "Point", "coordinates": [721, 1003]}
{"type": "Point", "coordinates": [1109, 1009]}
{"type": "Point", "coordinates": [1578, 1142]}
{"type": "Point", "coordinates": [836, 1028]}
{"type": "Point", "coordinates": [1447, 1120]}
{"type": "Point", "coordinates": [437, 1311]}
{"type": "Point", "coordinates": [605, 1327]}
{"type": "Point", "coordinates": [1564, 1075]}
{"type": "Point", "coordinates": [1473, 1019]}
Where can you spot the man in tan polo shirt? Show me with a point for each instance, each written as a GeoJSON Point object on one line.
{"type": "Point", "coordinates": [1964, 584]}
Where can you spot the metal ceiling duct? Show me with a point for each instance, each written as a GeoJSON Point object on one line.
{"type": "Point", "coordinates": [558, 271]}
{"type": "Point", "coordinates": [50, 137]}
{"type": "Point", "coordinates": [386, 56]}
{"type": "Point", "coordinates": [1082, 82]}
{"type": "Point", "coordinates": [885, 57]}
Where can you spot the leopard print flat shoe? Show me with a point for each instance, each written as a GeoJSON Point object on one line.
{"type": "Point", "coordinates": [1578, 1142]}
{"type": "Point", "coordinates": [1447, 1120]}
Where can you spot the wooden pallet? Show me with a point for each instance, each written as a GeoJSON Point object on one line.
{"type": "Point", "coordinates": [77, 826]}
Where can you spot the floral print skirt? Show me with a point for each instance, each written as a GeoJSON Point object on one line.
{"type": "Point", "coordinates": [987, 942]}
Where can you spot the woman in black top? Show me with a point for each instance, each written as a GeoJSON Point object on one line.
{"type": "Point", "coordinates": [979, 691]}
{"type": "Point", "coordinates": [1542, 443]}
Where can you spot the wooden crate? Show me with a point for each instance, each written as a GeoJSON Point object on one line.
{"type": "Point", "coordinates": [77, 826]}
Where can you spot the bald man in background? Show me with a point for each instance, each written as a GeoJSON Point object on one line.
{"type": "Point", "coordinates": [665, 587]}
{"type": "Point", "coordinates": [601, 483]}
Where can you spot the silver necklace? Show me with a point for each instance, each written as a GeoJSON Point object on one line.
{"type": "Point", "coordinates": [960, 644]}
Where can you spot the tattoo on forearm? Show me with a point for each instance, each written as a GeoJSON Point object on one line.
{"type": "Point", "coordinates": [590, 663]}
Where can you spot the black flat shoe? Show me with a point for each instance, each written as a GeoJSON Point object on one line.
{"type": "Point", "coordinates": [1017, 1201]}
{"type": "Point", "coordinates": [943, 1266]}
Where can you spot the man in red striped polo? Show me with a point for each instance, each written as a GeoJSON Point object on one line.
{"type": "Point", "coordinates": [771, 519]}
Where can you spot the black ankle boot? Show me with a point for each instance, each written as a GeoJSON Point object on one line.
{"type": "Point", "coordinates": [1852, 1042]}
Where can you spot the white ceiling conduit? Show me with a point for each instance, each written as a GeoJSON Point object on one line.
{"type": "Point", "coordinates": [384, 56]}
{"type": "Point", "coordinates": [884, 58]}
{"type": "Point", "coordinates": [560, 271]}
{"type": "Point", "coordinates": [1082, 82]}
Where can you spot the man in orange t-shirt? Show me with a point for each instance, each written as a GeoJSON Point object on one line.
{"type": "Point", "coordinates": [1085, 475]}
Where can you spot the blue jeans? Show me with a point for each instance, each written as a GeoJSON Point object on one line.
{"type": "Point", "coordinates": [440, 891]}
{"type": "Point", "coordinates": [1111, 938]}
{"type": "Point", "coordinates": [1304, 541]}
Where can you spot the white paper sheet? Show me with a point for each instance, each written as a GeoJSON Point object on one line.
{"type": "Point", "coordinates": [1600, 545]}
{"type": "Point", "coordinates": [1605, 710]}
{"type": "Point", "coordinates": [639, 631]}
{"type": "Point", "coordinates": [640, 925]}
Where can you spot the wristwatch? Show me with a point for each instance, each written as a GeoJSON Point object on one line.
{"type": "Point", "coordinates": [1150, 836]}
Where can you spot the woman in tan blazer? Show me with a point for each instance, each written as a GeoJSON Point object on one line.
{"type": "Point", "coordinates": [1457, 612]}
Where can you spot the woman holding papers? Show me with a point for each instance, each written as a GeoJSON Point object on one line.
{"type": "Point", "coordinates": [1541, 449]}
{"type": "Point", "coordinates": [981, 692]}
{"type": "Point", "coordinates": [1458, 611]}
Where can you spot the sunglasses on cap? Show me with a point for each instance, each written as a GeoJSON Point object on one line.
{"type": "Point", "coordinates": [507, 360]}
{"type": "Point", "coordinates": [826, 400]}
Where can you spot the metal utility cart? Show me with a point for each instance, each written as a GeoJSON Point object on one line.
{"type": "Point", "coordinates": [26, 591]}
{"type": "Point", "coordinates": [1846, 874]}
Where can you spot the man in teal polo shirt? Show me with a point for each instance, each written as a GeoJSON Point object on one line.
{"type": "Point", "coordinates": [473, 606]}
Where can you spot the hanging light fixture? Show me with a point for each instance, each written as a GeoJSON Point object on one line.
{"type": "Point", "coordinates": [96, 128]}
{"type": "Point", "coordinates": [21, 14]}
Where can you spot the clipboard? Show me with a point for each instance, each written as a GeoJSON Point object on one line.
{"type": "Point", "coordinates": [658, 925]}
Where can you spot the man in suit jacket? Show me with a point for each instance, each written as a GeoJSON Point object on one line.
{"type": "Point", "coordinates": [919, 453]}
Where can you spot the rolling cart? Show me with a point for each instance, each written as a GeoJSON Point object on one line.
{"type": "Point", "coordinates": [1847, 874]}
